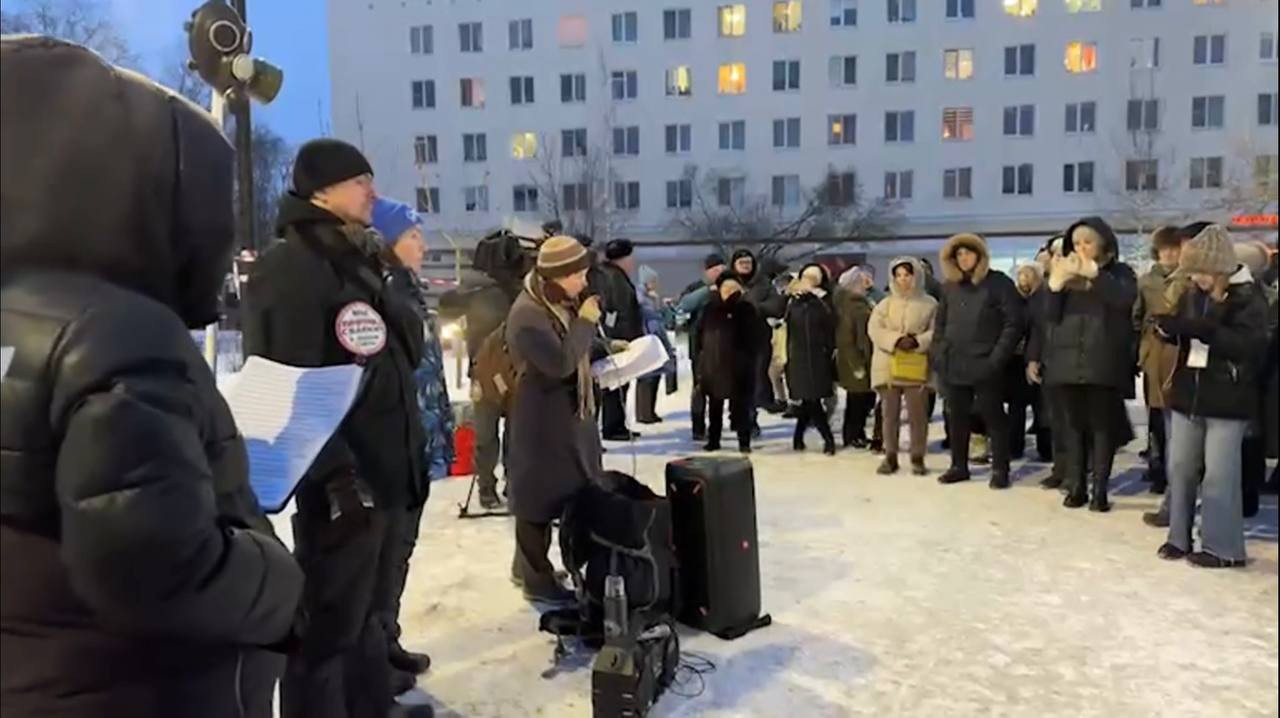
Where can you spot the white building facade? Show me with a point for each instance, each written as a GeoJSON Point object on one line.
{"type": "Point", "coordinates": [983, 115]}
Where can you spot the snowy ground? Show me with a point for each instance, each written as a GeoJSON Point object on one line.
{"type": "Point", "coordinates": [890, 596]}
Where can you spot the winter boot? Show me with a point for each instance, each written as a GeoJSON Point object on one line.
{"type": "Point", "coordinates": [1099, 502]}
{"type": "Point", "coordinates": [888, 466]}
{"type": "Point", "coordinates": [712, 445]}
{"type": "Point", "coordinates": [917, 466]}
{"type": "Point", "coordinates": [999, 480]}
{"type": "Point", "coordinates": [953, 476]}
{"type": "Point", "coordinates": [1156, 519]}
{"type": "Point", "coordinates": [1052, 481]}
{"type": "Point", "coordinates": [489, 499]}
{"type": "Point", "coordinates": [1077, 496]}
{"type": "Point", "coordinates": [408, 661]}
{"type": "Point", "coordinates": [1169, 552]}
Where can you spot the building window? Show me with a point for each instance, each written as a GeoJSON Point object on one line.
{"type": "Point", "coordinates": [679, 194]}
{"type": "Point", "coordinates": [1206, 173]}
{"type": "Point", "coordinates": [843, 129]}
{"type": "Point", "coordinates": [841, 188]}
{"type": "Point", "coordinates": [475, 199]}
{"type": "Point", "coordinates": [1209, 50]}
{"type": "Point", "coordinates": [679, 81]}
{"type": "Point", "coordinates": [524, 146]}
{"type": "Point", "coordinates": [428, 199]}
{"type": "Point", "coordinates": [576, 197]}
{"type": "Point", "coordinates": [520, 34]}
{"type": "Point", "coordinates": [524, 198]}
{"type": "Point", "coordinates": [957, 183]}
{"type": "Point", "coordinates": [844, 13]}
{"type": "Point", "coordinates": [471, 37]}
{"type": "Point", "coordinates": [1020, 60]}
{"type": "Point", "coordinates": [423, 94]}
{"type": "Point", "coordinates": [1081, 57]}
{"type": "Point", "coordinates": [1020, 8]}
{"type": "Point", "coordinates": [733, 135]}
{"type": "Point", "coordinates": [1267, 47]}
{"type": "Point", "coordinates": [522, 90]}
{"type": "Point", "coordinates": [1139, 4]}
{"type": "Point", "coordinates": [786, 75]}
{"type": "Point", "coordinates": [573, 143]}
{"type": "Point", "coordinates": [1016, 179]}
{"type": "Point", "coordinates": [957, 124]}
{"type": "Point", "coordinates": [679, 139]}
{"type": "Point", "coordinates": [626, 195]}
{"type": "Point", "coordinates": [623, 83]}
{"type": "Point", "coordinates": [573, 88]}
{"type": "Point", "coordinates": [843, 70]}
{"type": "Point", "coordinates": [1264, 172]}
{"type": "Point", "coordinates": [786, 16]}
{"type": "Point", "coordinates": [731, 191]}
{"type": "Point", "coordinates": [957, 64]}
{"type": "Point", "coordinates": [900, 126]}
{"type": "Point", "coordinates": [625, 27]}
{"type": "Point", "coordinates": [960, 9]}
{"type": "Point", "coordinates": [474, 147]}
{"type": "Point", "coordinates": [677, 24]}
{"type": "Point", "coordinates": [1077, 178]}
{"type": "Point", "coordinates": [1207, 112]}
{"type": "Point", "coordinates": [902, 11]}
{"type": "Point", "coordinates": [786, 133]}
{"type": "Point", "coordinates": [626, 141]}
{"type": "Point", "coordinates": [732, 20]}
{"type": "Point", "coordinates": [1142, 115]}
{"type": "Point", "coordinates": [421, 40]}
{"type": "Point", "coordinates": [425, 150]}
{"type": "Point", "coordinates": [733, 79]}
{"type": "Point", "coordinates": [572, 31]}
{"type": "Point", "coordinates": [785, 190]}
{"type": "Point", "coordinates": [1267, 108]}
{"type": "Point", "coordinates": [1144, 53]}
{"type": "Point", "coordinates": [1075, 6]}
{"type": "Point", "coordinates": [899, 185]}
{"type": "Point", "coordinates": [1141, 175]}
{"type": "Point", "coordinates": [1082, 118]}
{"type": "Point", "coordinates": [1020, 121]}
{"type": "Point", "coordinates": [900, 66]}
{"type": "Point", "coordinates": [472, 92]}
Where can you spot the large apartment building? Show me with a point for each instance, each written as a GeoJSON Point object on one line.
{"type": "Point", "coordinates": [991, 115]}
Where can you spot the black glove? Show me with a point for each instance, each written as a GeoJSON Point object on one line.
{"type": "Point", "coordinates": [907, 343]}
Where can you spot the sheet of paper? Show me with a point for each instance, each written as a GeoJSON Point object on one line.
{"type": "Point", "coordinates": [1198, 356]}
{"type": "Point", "coordinates": [641, 357]}
{"type": "Point", "coordinates": [6, 358]}
{"type": "Point", "coordinates": [286, 415]}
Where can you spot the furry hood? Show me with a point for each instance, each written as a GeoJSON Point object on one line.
{"type": "Point", "coordinates": [1036, 271]}
{"type": "Point", "coordinates": [826, 278]}
{"type": "Point", "coordinates": [951, 271]}
{"type": "Point", "coordinates": [1110, 245]}
{"type": "Point", "coordinates": [917, 268]}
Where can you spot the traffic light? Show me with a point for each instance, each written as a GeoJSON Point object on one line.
{"type": "Point", "coordinates": [220, 43]}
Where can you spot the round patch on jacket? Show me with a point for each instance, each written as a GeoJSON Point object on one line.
{"type": "Point", "coordinates": [361, 329]}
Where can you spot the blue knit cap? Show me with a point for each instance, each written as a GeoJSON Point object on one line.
{"type": "Point", "coordinates": [392, 219]}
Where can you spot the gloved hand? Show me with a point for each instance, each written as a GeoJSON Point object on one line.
{"type": "Point", "coordinates": [618, 345]}
{"type": "Point", "coordinates": [590, 309]}
{"type": "Point", "coordinates": [907, 343]}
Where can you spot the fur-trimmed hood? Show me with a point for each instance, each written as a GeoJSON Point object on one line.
{"type": "Point", "coordinates": [947, 256]}
{"type": "Point", "coordinates": [1110, 245]}
{"type": "Point", "coordinates": [917, 269]}
{"type": "Point", "coordinates": [1035, 270]}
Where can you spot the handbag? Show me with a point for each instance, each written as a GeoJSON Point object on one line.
{"type": "Point", "coordinates": [910, 367]}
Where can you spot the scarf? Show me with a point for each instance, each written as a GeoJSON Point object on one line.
{"type": "Point", "coordinates": [562, 316]}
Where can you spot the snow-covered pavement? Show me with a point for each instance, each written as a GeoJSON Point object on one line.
{"type": "Point", "coordinates": [890, 596]}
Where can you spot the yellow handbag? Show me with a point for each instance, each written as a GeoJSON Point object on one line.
{"type": "Point", "coordinates": [910, 367]}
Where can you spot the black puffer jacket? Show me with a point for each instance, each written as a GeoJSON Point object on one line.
{"type": "Point", "coordinates": [140, 576]}
{"type": "Point", "coordinates": [729, 347]}
{"type": "Point", "coordinates": [979, 321]}
{"type": "Point", "coordinates": [811, 344]}
{"type": "Point", "coordinates": [622, 318]}
{"type": "Point", "coordinates": [1088, 327]}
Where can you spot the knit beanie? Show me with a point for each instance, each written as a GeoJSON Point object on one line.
{"type": "Point", "coordinates": [1211, 252]}
{"type": "Point", "coordinates": [561, 256]}
{"type": "Point", "coordinates": [618, 249]}
{"type": "Point", "coordinates": [392, 219]}
{"type": "Point", "coordinates": [713, 260]}
{"type": "Point", "coordinates": [326, 162]}
{"type": "Point", "coordinates": [1254, 256]}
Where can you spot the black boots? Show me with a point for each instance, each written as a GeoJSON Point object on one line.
{"type": "Point", "coordinates": [888, 466]}
{"type": "Point", "coordinates": [408, 661]}
{"type": "Point", "coordinates": [953, 476]}
{"type": "Point", "coordinates": [999, 480]}
{"type": "Point", "coordinates": [1099, 501]}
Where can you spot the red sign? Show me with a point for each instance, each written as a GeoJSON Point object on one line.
{"type": "Point", "coordinates": [1255, 220]}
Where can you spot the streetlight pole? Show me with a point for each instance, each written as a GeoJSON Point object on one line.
{"type": "Point", "coordinates": [244, 159]}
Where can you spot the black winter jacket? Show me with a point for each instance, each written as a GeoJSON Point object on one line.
{"type": "Point", "coordinates": [979, 321]}
{"type": "Point", "coordinates": [622, 318]}
{"type": "Point", "coordinates": [811, 347]}
{"type": "Point", "coordinates": [729, 345]}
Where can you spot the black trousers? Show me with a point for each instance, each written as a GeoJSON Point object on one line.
{"type": "Point", "coordinates": [531, 564]}
{"type": "Point", "coordinates": [647, 398]}
{"type": "Point", "coordinates": [1089, 423]}
{"type": "Point", "coordinates": [341, 670]}
{"type": "Point", "coordinates": [987, 400]}
{"type": "Point", "coordinates": [613, 411]}
{"type": "Point", "coordinates": [698, 410]}
{"type": "Point", "coordinates": [1253, 472]}
{"type": "Point", "coordinates": [764, 386]}
{"type": "Point", "coordinates": [739, 420]}
{"type": "Point", "coordinates": [857, 406]}
{"type": "Point", "coordinates": [393, 571]}
{"type": "Point", "coordinates": [1158, 450]}
{"type": "Point", "coordinates": [811, 412]}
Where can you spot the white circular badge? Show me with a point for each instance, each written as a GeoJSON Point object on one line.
{"type": "Point", "coordinates": [360, 329]}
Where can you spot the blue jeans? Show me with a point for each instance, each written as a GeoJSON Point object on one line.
{"type": "Point", "coordinates": [1212, 446]}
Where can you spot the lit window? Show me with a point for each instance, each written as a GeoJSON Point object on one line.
{"type": "Point", "coordinates": [475, 199]}
{"type": "Point", "coordinates": [844, 13]}
{"type": "Point", "coordinates": [1019, 120]}
{"type": "Point", "coordinates": [844, 129]}
{"type": "Point", "coordinates": [957, 124]}
{"type": "Point", "coordinates": [733, 135]}
{"type": "Point", "coordinates": [1141, 175]}
{"type": "Point", "coordinates": [899, 185]}
{"type": "Point", "coordinates": [1206, 173]}
{"type": "Point", "coordinates": [679, 81]}
{"type": "Point", "coordinates": [733, 20]}
{"type": "Point", "coordinates": [843, 71]}
{"type": "Point", "coordinates": [1077, 177]}
{"type": "Point", "coordinates": [624, 84]}
{"type": "Point", "coordinates": [679, 194]}
{"type": "Point", "coordinates": [472, 92]}
{"type": "Point", "coordinates": [733, 79]}
{"type": "Point", "coordinates": [957, 183]}
{"type": "Point", "coordinates": [572, 31]}
{"type": "Point", "coordinates": [1017, 179]}
{"type": "Point", "coordinates": [626, 195]}
{"type": "Point", "coordinates": [957, 64]}
{"type": "Point", "coordinates": [786, 75]}
{"type": "Point", "coordinates": [1081, 57]}
{"type": "Point", "coordinates": [1207, 112]}
{"type": "Point", "coordinates": [1074, 6]}
{"type": "Point", "coordinates": [902, 11]}
{"type": "Point", "coordinates": [786, 133]}
{"type": "Point", "coordinates": [1021, 8]}
{"type": "Point", "coordinates": [421, 40]}
{"type": "Point", "coordinates": [1209, 49]}
{"type": "Point", "coordinates": [785, 190]}
{"type": "Point", "coordinates": [786, 16]}
{"type": "Point", "coordinates": [960, 9]}
{"type": "Point", "coordinates": [474, 147]}
{"type": "Point", "coordinates": [1082, 118]}
{"type": "Point", "coordinates": [425, 150]}
{"type": "Point", "coordinates": [524, 146]}
{"type": "Point", "coordinates": [524, 198]}
{"type": "Point", "coordinates": [625, 27]}
{"type": "Point", "coordinates": [679, 139]}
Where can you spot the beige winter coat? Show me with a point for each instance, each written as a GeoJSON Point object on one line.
{"type": "Point", "coordinates": [896, 316]}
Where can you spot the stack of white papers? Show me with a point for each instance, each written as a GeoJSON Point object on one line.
{"type": "Point", "coordinates": [641, 357]}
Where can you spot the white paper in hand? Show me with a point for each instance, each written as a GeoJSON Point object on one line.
{"type": "Point", "coordinates": [641, 357]}
{"type": "Point", "coordinates": [286, 415]}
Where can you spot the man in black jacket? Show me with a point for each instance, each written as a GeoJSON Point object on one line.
{"type": "Point", "coordinates": [712, 267]}
{"type": "Point", "coordinates": [976, 330]}
{"type": "Point", "coordinates": [317, 298]}
{"type": "Point", "coordinates": [140, 575]}
{"type": "Point", "coordinates": [622, 321]}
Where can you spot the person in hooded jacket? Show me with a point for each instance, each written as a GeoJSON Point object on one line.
{"type": "Point", "coordinates": [319, 297]}
{"type": "Point", "coordinates": [811, 347]}
{"type": "Point", "coordinates": [691, 304]}
{"type": "Point", "coordinates": [1021, 393]}
{"type": "Point", "coordinates": [1158, 293]}
{"type": "Point", "coordinates": [657, 316]}
{"type": "Point", "coordinates": [141, 577]}
{"type": "Point", "coordinates": [759, 291]}
{"type": "Point", "coordinates": [976, 330]}
{"type": "Point", "coordinates": [854, 351]}
{"type": "Point", "coordinates": [1253, 475]}
{"type": "Point", "coordinates": [727, 360]}
{"type": "Point", "coordinates": [1219, 327]}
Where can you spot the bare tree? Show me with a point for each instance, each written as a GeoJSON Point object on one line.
{"type": "Point", "coordinates": [272, 169]}
{"type": "Point", "coordinates": [581, 171]}
{"type": "Point", "coordinates": [176, 74]}
{"type": "Point", "coordinates": [86, 22]}
{"type": "Point", "coordinates": [1249, 182]}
